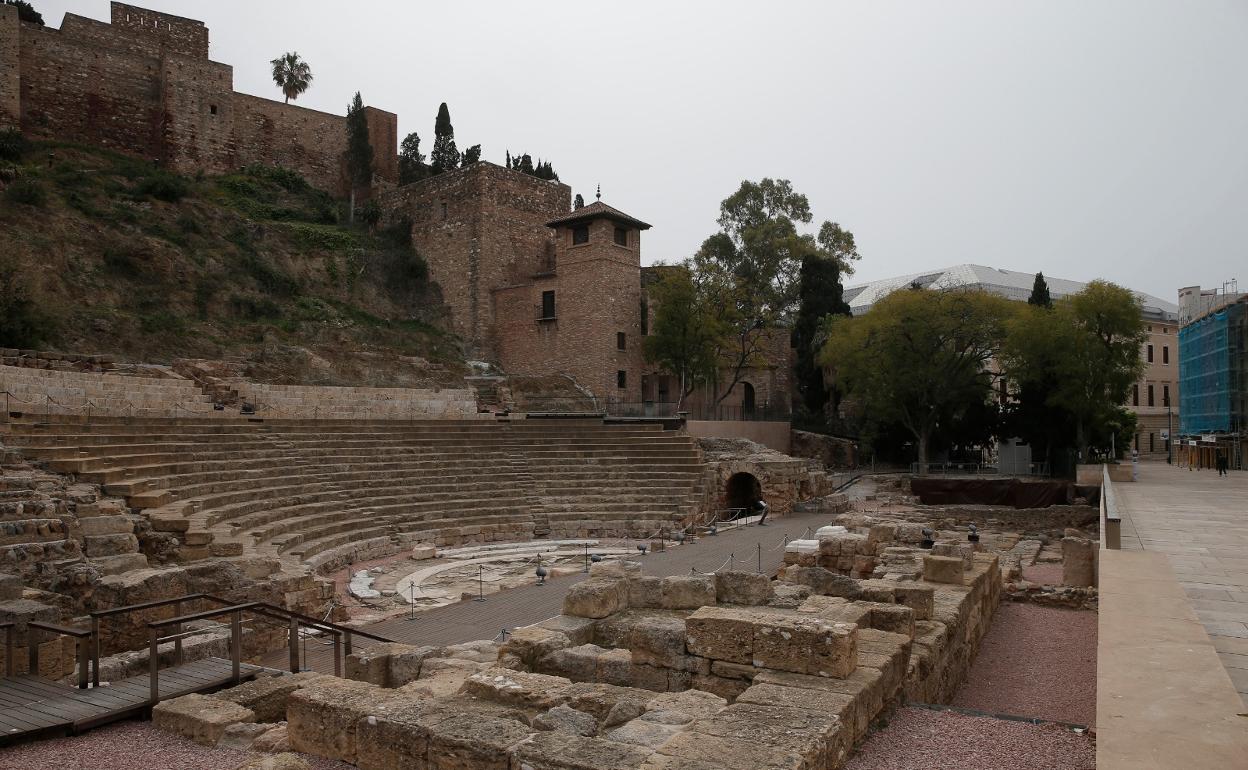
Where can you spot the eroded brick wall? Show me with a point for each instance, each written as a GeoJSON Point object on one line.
{"type": "Point", "coordinates": [10, 82]}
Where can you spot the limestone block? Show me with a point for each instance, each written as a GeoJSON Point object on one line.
{"type": "Point", "coordinates": [823, 581]}
{"type": "Point", "coordinates": [10, 587]}
{"type": "Point", "coordinates": [615, 568]}
{"type": "Point", "coordinates": [565, 719]}
{"type": "Point", "coordinates": [841, 544]}
{"type": "Point", "coordinates": [532, 643]}
{"type": "Point", "coordinates": [788, 595]}
{"type": "Point", "coordinates": [398, 740]}
{"type": "Point", "coordinates": [225, 549]}
{"type": "Point", "coordinates": [882, 533]}
{"type": "Point", "coordinates": [283, 761]}
{"type": "Point", "coordinates": [805, 733]}
{"type": "Point", "coordinates": [1078, 562]}
{"type": "Point", "coordinates": [517, 688]}
{"type": "Point", "coordinates": [919, 598]}
{"type": "Point", "coordinates": [610, 704]}
{"type": "Point", "coordinates": [728, 689]}
{"type": "Point", "coordinates": [895, 618]}
{"type": "Point", "coordinates": [274, 740]}
{"type": "Point", "coordinates": [267, 696]}
{"type": "Point", "coordinates": [658, 641]}
{"type": "Point", "coordinates": [388, 664]}
{"type": "Point", "coordinates": [649, 677]}
{"type": "Point", "coordinates": [721, 633]}
{"type": "Point", "coordinates": [643, 732]}
{"type": "Point", "coordinates": [743, 588]}
{"type": "Point", "coordinates": [806, 645]}
{"type": "Point", "coordinates": [645, 592]}
{"type": "Point", "coordinates": [199, 718]}
{"type": "Point", "coordinates": [474, 742]}
{"type": "Point", "coordinates": [578, 630]}
{"type": "Point", "coordinates": [560, 751]}
{"type": "Point", "coordinates": [106, 525]}
{"type": "Point", "coordinates": [943, 569]}
{"type": "Point", "coordinates": [965, 551]}
{"type": "Point", "coordinates": [687, 592]}
{"type": "Point", "coordinates": [596, 598]}
{"type": "Point", "coordinates": [844, 706]}
{"type": "Point", "coordinates": [688, 705]}
{"type": "Point", "coordinates": [322, 717]}
{"type": "Point", "coordinates": [241, 735]}
{"type": "Point", "coordinates": [422, 551]}
{"type": "Point", "coordinates": [615, 667]}
{"type": "Point", "coordinates": [110, 545]}
{"type": "Point", "coordinates": [579, 664]}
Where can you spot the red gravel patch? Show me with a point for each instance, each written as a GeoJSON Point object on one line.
{"type": "Point", "coordinates": [920, 738]}
{"type": "Point", "coordinates": [1045, 573]}
{"type": "Point", "coordinates": [130, 746]}
{"type": "Point", "coordinates": [1036, 662]}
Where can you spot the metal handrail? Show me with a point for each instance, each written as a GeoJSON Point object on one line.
{"type": "Point", "coordinates": [32, 647]}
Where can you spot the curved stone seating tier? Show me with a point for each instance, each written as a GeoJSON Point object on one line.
{"type": "Point", "coordinates": [329, 492]}
{"type": "Point", "coordinates": [56, 392]}
{"type": "Point", "coordinates": [331, 401]}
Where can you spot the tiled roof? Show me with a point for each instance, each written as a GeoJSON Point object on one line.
{"type": "Point", "coordinates": [594, 211]}
{"type": "Point", "coordinates": [1010, 284]}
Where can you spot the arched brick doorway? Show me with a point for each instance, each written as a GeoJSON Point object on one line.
{"type": "Point", "coordinates": [741, 491]}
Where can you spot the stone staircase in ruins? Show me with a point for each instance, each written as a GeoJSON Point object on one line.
{"type": "Point", "coordinates": [330, 492]}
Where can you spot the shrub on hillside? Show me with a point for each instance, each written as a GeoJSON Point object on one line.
{"type": "Point", "coordinates": [164, 187]}
{"type": "Point", "coordinates": [23, 322]}
{"type": "Point", "coordinates": [28, 192]}
{"type": "Point", "coordinates": [12, 144]}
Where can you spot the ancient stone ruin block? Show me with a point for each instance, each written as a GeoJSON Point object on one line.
{"type": "Point", "coordinates": [943, 569]}
{"type": "Point", "coordinates": [1078, 561]}
{"type": "Point", "coordinates": [475, 741]}
{"type": "Point", "coordinates": [687, 592]}
{"type": "Point", "coordinates": [805, 645]}
{"type": "Point", "coordinates": [388, 664]}
{"type": "Point", "coordinates": [645, 592]}
{"type": "Point", "coordinates": [721, 633]}
{"type": "Point", "coordinates": [966, 551]}
{"type": "Point", "coordinates": [560, 751]}
{"type": "Point", "coordinates": [267, 695]}
{"type": "Point", "coordinates": [743, 588]}
{"type": "Point", "coordinates": [894, 618]}
{"type": "Point", "coordinates": [517, 688]}
{"type": "Point", "coordinates": [579, 664]}
{"type": "Point", "coordinates": [199, 718]}
{"type": "Point", "coordinates": [322, 717]}
{"type": "Point", "coordinates": [532, 643]}
{"type": "Point", "coordinates": [596, 598]}
{"type": "Point", "coordinates": [919, 598]}
{"type": "Point", "coordinates": [10, 587]}
{"type": "Point", "coordinates": [658, 641]}
{"type": "Point", "coordinates": [823, 581]}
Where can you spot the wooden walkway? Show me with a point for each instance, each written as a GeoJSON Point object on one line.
{"type": "Point", "coordinates": [30, 704]}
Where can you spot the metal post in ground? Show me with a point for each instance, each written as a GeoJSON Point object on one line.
{"type": "Point", "coordinates": [760, 558]}
{"type": "Point", "coordinates": [480, 583]}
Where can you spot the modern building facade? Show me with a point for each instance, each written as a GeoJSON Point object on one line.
{"type": "Point", "coordinates": [1154, 399]}
{"type": "Point", "coordinates": [1213, 370]}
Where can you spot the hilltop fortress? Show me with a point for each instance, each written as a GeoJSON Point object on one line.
{"type": "Point", "coordinates": [143, 84]}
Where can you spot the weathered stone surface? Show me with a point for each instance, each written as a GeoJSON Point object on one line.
{"type": "Point", "coordinates": [596, 598]}
{"type": "Point", "coordinates": [823, 582]}
{"type": "Point", "coordinates": [579, 664]}
{"type": "Point", "coordinates": [943, 569]}
{"type": "Point", "coordinates": [688, 704]}
{"type": "Point", "coordinates": [658, 641]}
{"type": "Point", "coordinates": [743, 588]}
{"type": "Point", "coordinates": [844, 706]}
{"type": "Point", "coordinates": [805, 733]}
{"type": "Point", "coordinates": [532, 643]}
{"type": "Point", "coordinates": [564, 719]}
{"type": "Point", "coordinates": [805, 645]}
{"type": "Point", "coordinates": [895, 618]}
{"type": "Point", "coordinates": [10, 587]}
{"type": "Point", "coordinates": [241, 735]}
{"type": "Point", "coordinates": [388, 664]}
{"type": "Point", "coordinates": [199, 718]}
{"type": "Point", "coordinates": [788, 595]}
{"type": "Point", "coordinates": [284, 761]}
{"type": "Point", "coordinates": [698, 751]}
{"type": "Point", "coordinates": [559, 751]}
{"type": "Point", "coordinates": [578, 630]}
{"type": "Point", "coordinates": [1078, 562]}
{"type": "Point", "coordinates": [964, 551]}
{"type": "Point", "coordinates": [722, 633]}
{"type": "Point", "coordinates": [645, 592]}
{"type": "Point", "coordinates": [474, 742]}
{"type": "Point", "coordinates": [687, 592]}
{"type": "Point", "coordinates": [516, 688]}
{"type": "Point", "coordinates": [728, 689]}
{"type": "Point", "coordinates": [399, 740]}
{"type": "Point", "coordinates": [615, 568]}
{"type": "Point", "coordinates": [274, 740]}
{"type": "Point", "coordinates": [919, 598]}
{"type": "Point", "coordinates": [322, 717]}
{"type": "Point", "coordinates": [267, 695]}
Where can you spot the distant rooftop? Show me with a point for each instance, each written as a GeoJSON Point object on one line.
{"type": "Point", "coordinates": [1010, 284]}
{"type": "Point", "coordinates": [594, 211]}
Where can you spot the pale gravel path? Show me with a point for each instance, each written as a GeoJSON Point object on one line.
{"type": "Point", "coordinates": [130, 746]}
{"type": "Point", "coordinates": [919, 739]}
{"type": "Point", "coordinates": [1035, 662]}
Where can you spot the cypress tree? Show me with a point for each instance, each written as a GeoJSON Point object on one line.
{"type": "Point", "coordinates": [471, 155]}
{"type": "Point", "coordinates": [1040, 293]}
{"type": "Point", "coordinates": [579, 202]}
{"type": "Point", "coordinates": [359, 151]}
{"type": "Point", "coordinates": [819, 295]}
{"type": "Point", "coordinates": [444, 156]}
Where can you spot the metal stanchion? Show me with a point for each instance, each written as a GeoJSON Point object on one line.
{"type": "Point", "coordinates": [760, 558]}
{"type": "Point", "coordinates": [480, 583]}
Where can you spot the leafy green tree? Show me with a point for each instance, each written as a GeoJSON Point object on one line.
{"type": "Point", "coordinates": [26, 12]}
{"type": "Point", "coordinates": [1040, 293]}
{"type": "Point", "coordinates": [578, 202]}
{"type": "Point", "coordinates": [412, 166]}
{"type": "Point", "coordinates": [445, 156]}
{"type": "Point", "coordinates": [291, 74]}
{"type": "Point", "coordinates": [359, 151]}
{"type": "Point", "coordinates": [838, 245]}
{"type": "Point", "coordinates": [682, 338]}
{"type": "Point", "coordinates": [918, 357]}
{"type": "Point", "coordinates": [1088, 348]}
{"type": "Point", "coordinates": [23, 322]}
{"type": "Point", "coordinates": [471, 155]}
{"type": "Point", "coordinates": [819, 295]}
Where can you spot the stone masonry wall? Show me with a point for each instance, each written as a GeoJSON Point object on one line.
{"type": "Point", "coordinates": [144, 85]}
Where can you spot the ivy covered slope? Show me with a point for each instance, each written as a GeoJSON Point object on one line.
{"type": "Point", "coordinates": [103, 253]}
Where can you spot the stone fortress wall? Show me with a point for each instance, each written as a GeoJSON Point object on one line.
{"type": "Point", "coordinates": [144, 84]}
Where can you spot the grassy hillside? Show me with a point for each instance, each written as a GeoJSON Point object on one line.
{"type": "Point", "coordinates": [104, 253]}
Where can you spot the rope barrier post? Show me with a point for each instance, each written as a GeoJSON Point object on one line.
{"type": "Point", "coordinates": [411, 591]}
{"type": "Point", "coordinates": [294, 644]}
{"type": "Point", "coordinates": [760, 558]}
{"type": "Point", "coordinates": [480, 583]}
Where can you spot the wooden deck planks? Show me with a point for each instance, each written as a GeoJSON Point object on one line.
{"type": "Point", "coordinates": [29, 704]}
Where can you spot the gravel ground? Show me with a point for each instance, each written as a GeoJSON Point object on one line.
{"type": "Point", "coordinates": [1044, 573]}
{"type": "Point", "coordinates": [1036, 662]}
{"type": "Point", "coordinates": [130, 746]}
{"type": "Point", "coordinates": [917, 739]}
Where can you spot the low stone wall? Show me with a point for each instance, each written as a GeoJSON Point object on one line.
{"type": "Point", "coordinates": [831, 451]}
{"type": "Point", "coordinates": [773, 435]}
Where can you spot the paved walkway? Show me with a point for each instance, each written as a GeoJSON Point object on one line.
{"type": "Point", "coordinates": [468, 621]}
{"type": "Point", "coordinates": [1199, 520]}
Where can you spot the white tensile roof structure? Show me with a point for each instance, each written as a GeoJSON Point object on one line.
{"type": "Point", "coordinates": [1010, 284]}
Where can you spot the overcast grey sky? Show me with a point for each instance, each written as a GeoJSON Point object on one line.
{"type": "Point", "coordinates": [1084, 138]}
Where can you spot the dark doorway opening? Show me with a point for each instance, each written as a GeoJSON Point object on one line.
{"type": "Point", "coordinates": [747, 399]}
{"type": "Point", "coordinates": [742, 491]}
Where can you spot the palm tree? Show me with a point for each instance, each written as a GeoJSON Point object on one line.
{"type": "Point", "coordinates": [292, 75]}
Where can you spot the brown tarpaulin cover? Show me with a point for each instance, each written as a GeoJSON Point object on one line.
{"type": "Point", "coordinates": [1012, 492]}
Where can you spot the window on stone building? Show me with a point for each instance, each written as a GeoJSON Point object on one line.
{"type": "Point", "coordinates": [1135, 395]}
{"type": "Point", "coordinates": [621, 379]}
{"type": "Point", "coordinates": [1150, 354]}
{"type": "Point", "coordinates": [548, 304]}
{"type": "Point", "coordinates": [1165, 354]}
{"type": "Point", "coordinates": [1150, 442]}
{"type": "Point", "coordinates": [444, 209]}
{"type": "Point", "coordinates": [212, 109]}
{"type": "Point", "coordinates": [1150, 396]}
{"type": "Point", "coordinates": [1165, 395]}
{"type": "Point", "coordinates": [580, 234]}
{"type": "Point", "coordinates": [621, 236]}
{"type": "Point", "coordinates": [621, 341]}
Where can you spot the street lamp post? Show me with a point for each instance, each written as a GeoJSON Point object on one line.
{"type": "Point", "coordinates": [1169, 433]}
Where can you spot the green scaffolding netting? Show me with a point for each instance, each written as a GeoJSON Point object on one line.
{"type": "Point", "coordinates": [1205, 381]}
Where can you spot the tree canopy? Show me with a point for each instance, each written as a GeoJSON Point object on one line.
{"type": "Point", "coordinates": [444, 156]}
{"type": "Point", "coordinates": [682, 338]}
{"type": "Point", "coordinates": [820, 294]}
{"type": "Point", "coordinates": [291, 74]}
{"type": "Point", "coordinates": [359, 150]}
{"type": "Point", "coordinates": [26, 12]}
{"type": "Point", "coordinates": [412, 166]}
{"type": "Point", "coordinates": [919, 358]}
{"type": "Point", "coordinates": [1040, 293]}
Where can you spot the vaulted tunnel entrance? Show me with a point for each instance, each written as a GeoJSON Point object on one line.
{"type": "Point", "coordinates": [742, 490]}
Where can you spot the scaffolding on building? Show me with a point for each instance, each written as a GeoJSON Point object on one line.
{"type": "Point", "coordinates": [1213, 380]}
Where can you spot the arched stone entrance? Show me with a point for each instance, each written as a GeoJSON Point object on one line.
{"type": "Point", "coordinates": [741, 491]}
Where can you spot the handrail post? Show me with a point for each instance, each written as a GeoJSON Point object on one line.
{"type": "Point", "coordinates": [177, 630]}
{"type": "Point", "coordinates": [346, 650]}
{"type": "Point", "coordinates": [95, 651]}
{"type": "Point", "coordinates": [337, 655]}
{"type": "Point", "coordinates": [153, 666]}
{"type": "Point", "coordinates": [32, 650]}
{"type": "Point", "coordinates": [84, 660]}
{"type": "Point", "coordinates": [294, 645]}
{"type": "Point", "coordinates": [236, 641]}
{"type": "Point", "coordinates": [9, 664]}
